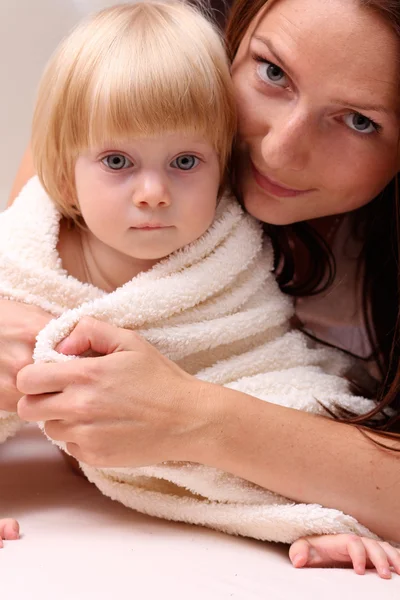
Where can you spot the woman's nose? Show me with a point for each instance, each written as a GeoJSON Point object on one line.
{"type": "Point", "coordinates": [151, 192]}
{"type": "Point", "coordinates": [288, 143]}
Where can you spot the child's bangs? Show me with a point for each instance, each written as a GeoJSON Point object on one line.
{"type": "Point", "coordinates": [144, 113]}
{"type": "Point", "coordinates": [151, 81]}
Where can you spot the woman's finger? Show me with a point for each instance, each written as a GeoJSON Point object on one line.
{"type": "Point", "coordinates": [378, 557]}
{"type": "Point", "coordinates": [59, 430]}
{"type": "Point", "coordinates": [43, 407]}
{"type": "Point", "coordinates": [49, 378]}
{"type": "Point", "coordinates": [75, 451]}
{"type": "Point", "coordinates": [99, 337]}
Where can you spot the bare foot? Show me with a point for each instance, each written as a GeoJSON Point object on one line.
{"type": "Point", "coordinates": [9, 530]}
{"type": "Point", "coordinates": [345, 550]}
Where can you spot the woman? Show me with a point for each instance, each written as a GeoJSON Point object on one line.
{"type": "Point", "coordinates": [318, 135]}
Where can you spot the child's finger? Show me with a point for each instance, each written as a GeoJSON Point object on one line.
{"type": "Point", "coordinates": [299, 553]}
{"type": "Point", "coordinates": [358, 554]}
{"type": "Point", "coordinates": [393, 555]}
{"type": "Point", "coordinates": [378, 557]}
{"type": "Point", "coordinates": [9, 529]}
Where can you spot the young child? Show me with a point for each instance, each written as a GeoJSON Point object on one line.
{"type": "Point", "coordinates": [129, 221]}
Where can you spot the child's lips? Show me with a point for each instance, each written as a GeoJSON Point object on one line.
{"type": "Point", "coordinates": [150, 226]}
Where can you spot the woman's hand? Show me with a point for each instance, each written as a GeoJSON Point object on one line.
{"type": "Point", "coordinates": [132, 407]}
{"type": "Point", "coordinates": [19, 326]}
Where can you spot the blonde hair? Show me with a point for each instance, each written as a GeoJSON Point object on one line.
{"type": "Point", "coordinates": [132, 70]}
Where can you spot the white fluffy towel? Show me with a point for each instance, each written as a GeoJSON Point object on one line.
{"type": "Point", "coordinates": [213, 307]}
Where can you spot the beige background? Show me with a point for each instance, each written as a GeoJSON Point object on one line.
{"type": "Point", "coordinates": [29, 32]}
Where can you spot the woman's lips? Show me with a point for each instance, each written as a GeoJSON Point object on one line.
{"type": "Point", "coordinates": [274, 188]}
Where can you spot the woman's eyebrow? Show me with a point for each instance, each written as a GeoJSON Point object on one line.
{"type": "Point", "coordinates": [273, 51]}
{"type": "Point", "coordinates": [364, 107]}
{"type": "Point", "coordinates": [354, 105]}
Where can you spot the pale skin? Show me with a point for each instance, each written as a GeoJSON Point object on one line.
{"type": "Point", "coordinates": [9, 530]}
{"type": "Point", "coordinates": [138, 198]}
{"type": "Point", "coordinates": [189, 420]}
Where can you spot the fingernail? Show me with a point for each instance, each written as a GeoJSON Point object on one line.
{"type": "Point", "coordinates": [296, 560]}
{"type": "Point", "coordinates": [386, 573]}
{"type": "Point", "coordinates": [359, 569]}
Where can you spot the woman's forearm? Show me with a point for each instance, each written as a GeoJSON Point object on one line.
{"type": "Point", "coordinates": [305, 457]}
{"type": "Point", "coordinates": [25, 172]}
{"type": "Point", "coordinates": [138, 408]}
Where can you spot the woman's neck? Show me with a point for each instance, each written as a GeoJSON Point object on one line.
{"type": "Point", "coordinates": [87, 259]}
{"type": "Point", "coordinates": [327, 227]}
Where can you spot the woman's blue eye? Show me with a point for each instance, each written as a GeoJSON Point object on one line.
{"type": "Point", "coordinates": [271, 73]}
{"type": "Point", "coordinates": [360, 123]}
{"type": "Point", "coordinates": [186, 162]}
{"type": "Point", "coordinates": [116, 162]}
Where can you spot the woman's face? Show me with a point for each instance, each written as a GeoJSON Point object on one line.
{"type": "Point", "coordinates": [318, 101]}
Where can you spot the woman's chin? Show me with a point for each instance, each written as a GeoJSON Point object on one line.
{"type": "Point", "coordinates": [265, 208]}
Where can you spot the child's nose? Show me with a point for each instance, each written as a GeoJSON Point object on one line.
{"type": "Point", "coordinates": [152, 193]}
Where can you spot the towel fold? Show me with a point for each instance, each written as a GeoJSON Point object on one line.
{"type": "Point", "coordinates": [215, 308]}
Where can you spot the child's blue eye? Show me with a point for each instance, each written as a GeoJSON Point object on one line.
{"type": "Point", "coordinates": [116, 162]}
{"type": "Point", "coordinates": [186, 162]}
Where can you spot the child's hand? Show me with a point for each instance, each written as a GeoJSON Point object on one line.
{"type": "Point", "coordinates": [9, 530]}
{"type": "Point", "coordinates": [19, 326]}
{"type": "Point", "coordinates": [345, 550]}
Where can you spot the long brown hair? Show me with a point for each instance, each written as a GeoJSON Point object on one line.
{"type": "Point", "coordinates": [376, 225]}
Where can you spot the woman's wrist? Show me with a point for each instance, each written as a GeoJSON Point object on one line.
{"type": "Point", "coordinates": [215, 422]}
